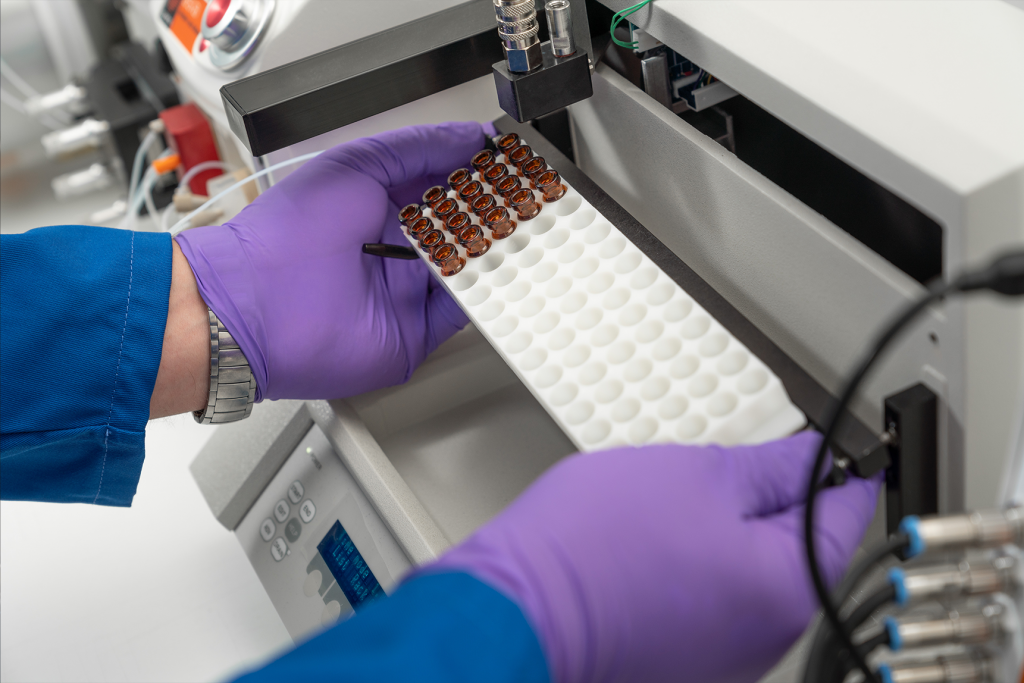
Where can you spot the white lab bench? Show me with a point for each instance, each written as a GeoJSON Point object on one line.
{"type": "Point", "coordinates": [156, 592]}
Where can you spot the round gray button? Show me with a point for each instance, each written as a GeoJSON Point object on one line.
{"type": "Point", "coordinates": [312, 584]}
{"type": "Point", "coordinates": [292, 530]}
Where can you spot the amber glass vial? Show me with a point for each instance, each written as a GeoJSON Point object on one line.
{"type": "Point", "coordinates": [506, 186]}
{"type": "Point", "coordinates": [459, 177]}
{"type": "Point", "coordinates": [532, 168]}
{"type": "Point", "coordinates": [457, 222]}
{"type": "Point", "coordinates": [520, 155]}
{"type": "Point", "coordinates": [483, 204]}
{"type": "Point", "coordinates": [550, 185]}
{"type": "Point", "coordinates": [524, 203]}
{"type": "Point", "coordinates": [420, 227]}
{"type": "Point", "coordinates": [471, 191]}
{"type": "Point", "coordinates": [500, 223]}
{"type": "Point", "coordinates": [410, 214]}
{"type": "Point", "coordinates": [431, 240]}
{"type": "Point", "coordinates": [446, 207]}
{"type": "Point", "coordinates": [495, 173]}
{"type": "Point", "coordinates": [434, 195]}
{"type": "Point", "coordinates": [508, 142]}
{"type": "Point", "coordinates": [447, 259]}
{"type": "Point", "coordinates": [472, 238]}
{"type": "Point", "coordinates": [482, 160]}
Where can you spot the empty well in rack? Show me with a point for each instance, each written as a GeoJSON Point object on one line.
{"type": "Point", "coordinates": [612, 347]}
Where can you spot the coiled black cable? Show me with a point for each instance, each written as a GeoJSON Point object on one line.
{"type": "Point", "coordinates": [825, 651]}
{"type": "Point", "coordinates": [1004, 275]}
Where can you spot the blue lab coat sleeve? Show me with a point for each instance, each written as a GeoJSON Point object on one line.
{"type": "Point", "coordinates": [446, 627]}
{"type": "Point", "coordinates": [82, 317]}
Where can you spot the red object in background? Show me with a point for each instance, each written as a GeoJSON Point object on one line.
{"type": "Point", "coordinates": [216, 12]}
{"type": "Point", "coordinates": [188, 134]}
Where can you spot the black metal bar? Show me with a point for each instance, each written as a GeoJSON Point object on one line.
{"type": "Point", "coordinates": [854, 440]}
{"type": "Point", "coordinates": [300, 100]}
{"type": "Point", "coordinates": [912, 483]}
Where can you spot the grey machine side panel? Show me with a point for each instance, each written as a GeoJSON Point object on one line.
{"type": "Point", "coordinates": [242, 457]}
{"type": "Point", "coordinates": [813, 289]}
{"type": "Point", "coordinates": [403, 513]}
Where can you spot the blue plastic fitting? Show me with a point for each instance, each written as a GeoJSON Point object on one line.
{"type": "Point", "coordinates": [897, 577]}
{"type": "Point", "coordinates": [910, 526]}
{"type": "Point", "coordinates": [893, 629]}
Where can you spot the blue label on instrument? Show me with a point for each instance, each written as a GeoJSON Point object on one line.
{"type": "Point", "coordinates": [348, 567]}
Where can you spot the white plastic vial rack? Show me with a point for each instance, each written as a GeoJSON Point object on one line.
{"type": "Point", "coordinates": [611, 346]}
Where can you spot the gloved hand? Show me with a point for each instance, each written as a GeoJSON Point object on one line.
{"type": "Point", "coordinates": [314, 316]}
{"type": "Point", "coordinates": [667, 562]}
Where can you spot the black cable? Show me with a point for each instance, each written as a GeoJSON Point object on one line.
{"type": "Point", "coordinates": [872, 556]}
{"type": "Point", "coordinates": [825, 650]}
{"type": "Point", "coordinates": [841, 664]}
{"type": "Point", "coordinates": [1006, 276]}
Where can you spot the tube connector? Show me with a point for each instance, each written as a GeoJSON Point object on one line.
{"type": "Point", "coordinates": [965, 625]}
{"type": "Point", "coordinates": [89, 134]}
{"type": "Point", "coordinates": [970, 577]}
{"type": "Point", "coordinates": [971, 667]}
{"type": "Point", "coordinates": [518, 30]}
{"type": "Point", "coordinates": [559, 14]}
{"type": "Point", "coordinates": [982, 529]}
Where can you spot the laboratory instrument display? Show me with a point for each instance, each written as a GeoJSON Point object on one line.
{"type": "Point", "coordinates": [610, 345]}
{"type": "Point", "coordinates": [315, 541]}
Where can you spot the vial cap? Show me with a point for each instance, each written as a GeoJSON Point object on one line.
{"type": "Point", "coordinates": [443, 253]}
{"type": "Point", "coordinates": [420, 226]}
{"type": "Point", "coordinates": [519, 155]}
{"type": "Point", "coordinates": [483, 203]}
{"type": "Point", "coordinates": [470, 190]}
{"type": "Point", "coordinates": [471, 234]}
{"type": "Point", "coordinates": [445, 208]}
{"type": "Point", "coordinates": [482, 160]}
{"type": "Point", "coordinates": [533, 166]}
{"type": "Point", "coordinates": [410, 213]}
{"type": "Point", "coordinates": [495, 173]}
{"type": "Point", "coordinates": [507, 185]}
{"type": "Point", "coordinates": [508, 141]}
{"type": "Point", "coordinates": [434, 195]}
{"type": "Point", "coordinates": [459, 177]}
{"type": "Point", "coordinates": [431, 239]}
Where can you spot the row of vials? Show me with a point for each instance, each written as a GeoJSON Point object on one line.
{"type": "Point", "coordinates": [503, 196]}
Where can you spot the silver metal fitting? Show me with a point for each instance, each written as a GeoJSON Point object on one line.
{"type": "Point", "coordinates": [969, 577]}
{"type": "Point", "coordinates": [71, 98]}
{"type": "Point", "coordinates": [972, 667]}
{"type": "Point", "coordinates": [89, 134]}
{"type": "Point", "coordinates": [983, 529]}
{"type": "Point", "coordinates": [964, 625]}
{"type": "Point", "coordinates": [95, 177]}
{"type": "Point", "coordinates": [560, 27]}
{"type": "Point", "coordinates": [518, 29]}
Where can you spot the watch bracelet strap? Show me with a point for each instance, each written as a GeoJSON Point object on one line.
{"type": "Point", "coordinates": [232, 384]}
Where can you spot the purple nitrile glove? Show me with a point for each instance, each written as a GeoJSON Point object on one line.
{"type": "Point", "coordinates": [667, 562]}
{"type": "Point", "coordinates": [314, 315]}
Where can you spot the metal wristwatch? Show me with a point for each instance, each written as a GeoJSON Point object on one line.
{"type": "Point", "coordinates": [232, 385]}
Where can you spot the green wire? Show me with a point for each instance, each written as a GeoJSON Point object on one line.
{"type": "Point", "coordinates": [619, 17]}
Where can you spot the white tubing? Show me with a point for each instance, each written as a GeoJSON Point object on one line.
{"type": "Point", "coordinates": [180, 225]}
{"type": "Point", "coordinates": [147, 194]}
{"type": "Point", "coordinates": [137, 165]}
{"type": "Point", "coordinates": [199, 168]}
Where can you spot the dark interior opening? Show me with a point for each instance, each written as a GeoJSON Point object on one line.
{"type": "Point", "coordinates": [889, 225]}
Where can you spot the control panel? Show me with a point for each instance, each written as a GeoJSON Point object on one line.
{"type": "Point", "coordinates": [317, 545]}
